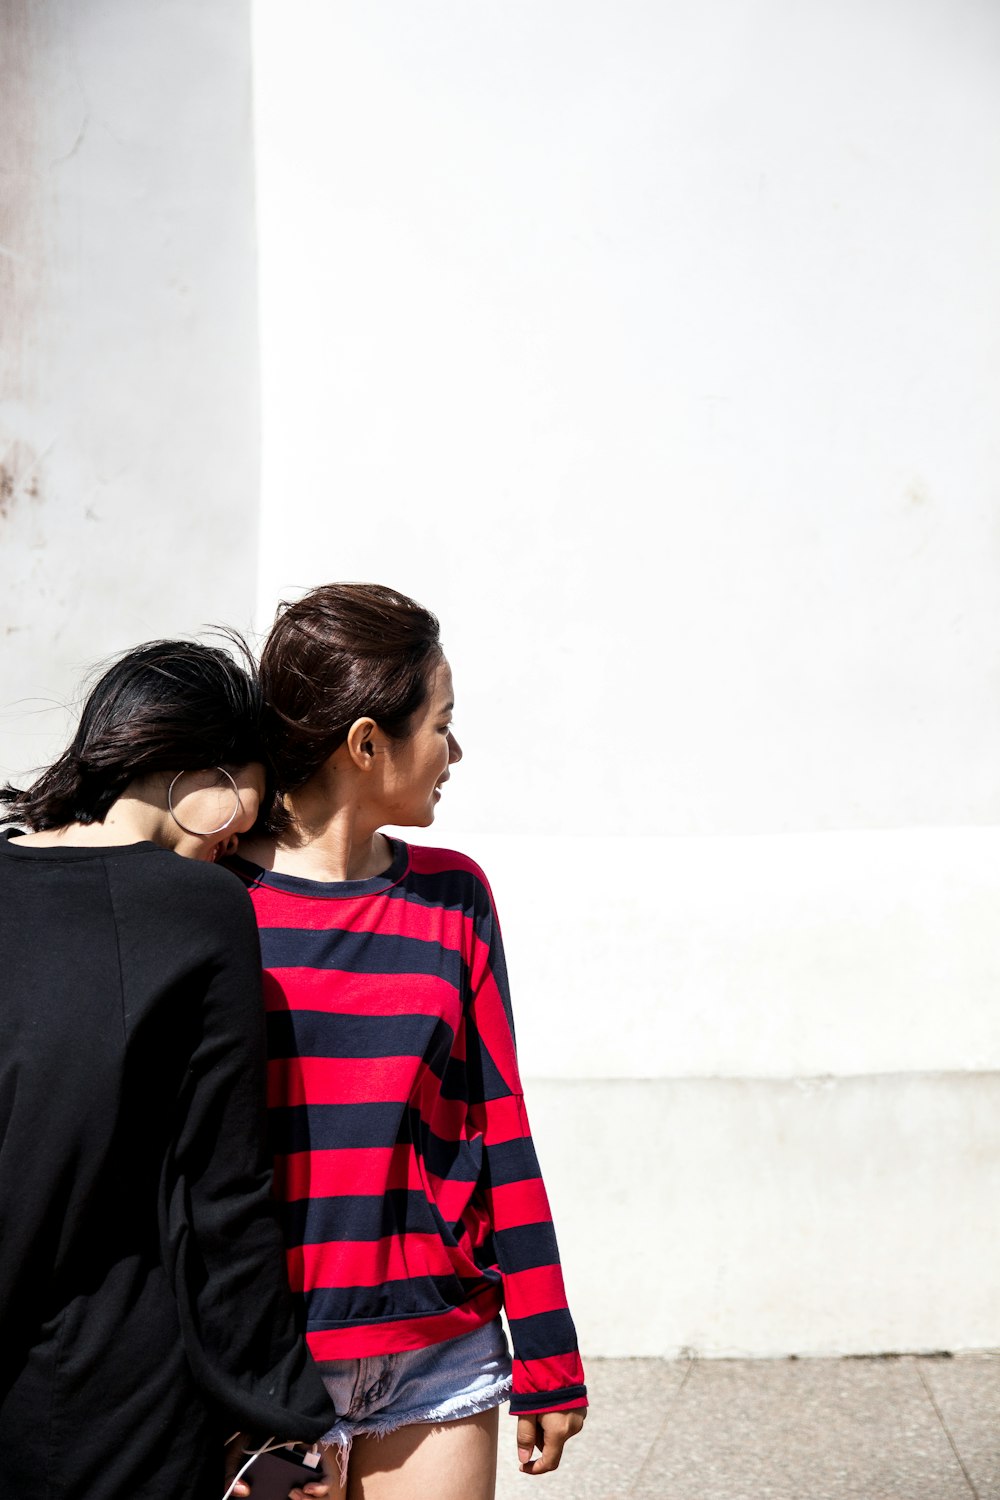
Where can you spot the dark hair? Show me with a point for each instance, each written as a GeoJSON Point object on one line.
{"type": "Point", "coordinates": [163, 706]}
{"type": "Point", "coordinates": [344, 651]}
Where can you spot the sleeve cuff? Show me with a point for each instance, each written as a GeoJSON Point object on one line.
{"type": "Point", "coordinates": [532, 1403]}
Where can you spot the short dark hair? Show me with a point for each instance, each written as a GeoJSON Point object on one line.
{"type": "Point", "coordinates": [343, 651]}
{"type": "Point", "coordinates": [163, 706]}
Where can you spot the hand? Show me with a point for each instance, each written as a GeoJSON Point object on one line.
{"type": "Point", "coordinates": [322, 1489]}
{"type": "Point", "coordinates": [236, 1457]}
{"type": "Point", "coordinates": [550, 1431]}
{"type": "Point", "coordinates": [234, 1461]}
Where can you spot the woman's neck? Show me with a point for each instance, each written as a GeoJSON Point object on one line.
{"type": "Point", "coordinates": [129, 820]}
{"type": "Point", "coordinates": [328, 845]}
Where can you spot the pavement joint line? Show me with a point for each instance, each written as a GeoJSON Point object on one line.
{"type": "Point", "coordinates": [940, 1416]}
{"type": "Point", "coordinates": [663, 1425]}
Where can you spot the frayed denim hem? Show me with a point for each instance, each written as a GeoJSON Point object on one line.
{"type": "Point", "coordinates": [342, 1434]}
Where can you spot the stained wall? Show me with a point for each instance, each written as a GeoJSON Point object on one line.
{"type": "Point", "coordinates": [128, 359]}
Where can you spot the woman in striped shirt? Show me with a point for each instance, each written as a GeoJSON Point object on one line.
{"type": "Point", "coordinates": [410, 1193]}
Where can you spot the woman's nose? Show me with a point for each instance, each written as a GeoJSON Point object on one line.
{"type": "Point", "coordinates": [454, 750]}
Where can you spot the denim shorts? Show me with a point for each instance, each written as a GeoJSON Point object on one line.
{"type": "Point", "coordinates": [437, 1384]}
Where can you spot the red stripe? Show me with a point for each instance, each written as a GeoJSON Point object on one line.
{"type": "Point", "coordinates": [499, 1120]}
{"type": "Point", "coordinates": [368, 1171]}
{"type": "Point", "coordinates": [518, 1203]}
{"type": "Point", "coordinates": [495, 1033]}
{"type": "Point", "coordinates": [533, 1376]}
{"type": "Point", "coordinates": [321, 1080]}
{"type": "Point", "coordinates": [447, 1118]}
{"type": "Point", "coordinates": [349, 1080]}
{"type": "Point", "coordinates": [345, 1171]}
{"type": "Point", "coordinates": [478, 1228]}
{"type": "Point", "coordinates": [340, 993]}
{"type": "Point", "coordinates": [409, 1333]}
{"type": "Point", "coordinates": [454, 1200]}
{"type": "Point", "coordinates": [340, 1263]}
{"type": "Point", "coordinates": [538, 1290]}
{"type": "Point", "coordinates": [395, 916]}
{"type": "Point", "coordinates": [279, 908]}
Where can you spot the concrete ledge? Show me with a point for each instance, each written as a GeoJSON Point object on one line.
{"type": "Point", "coordinates": [728, 1217]}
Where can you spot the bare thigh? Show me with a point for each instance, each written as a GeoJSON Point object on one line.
{"type": "Point", "coordinates": [449, 1460]}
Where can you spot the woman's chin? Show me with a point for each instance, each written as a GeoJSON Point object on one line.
{"type": "Point", "coordinates": [410, 817]}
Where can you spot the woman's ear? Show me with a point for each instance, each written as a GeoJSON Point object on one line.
{"type": "Point", "coordinates": [360, 743]}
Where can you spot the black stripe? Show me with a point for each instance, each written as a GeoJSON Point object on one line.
{"type": "Point", "coordinates": [452, 890]}
{"type": "Point", "coordinates": [511, 1161]}
{"type": "Point", "coordinates": [543, 1335]}
{"type": "Point", "coordinates": [455, 1080]}
{"type": "Point", "coordinates": [310, 1221]}
{"type": "Point", "coordinates": [486, 1255]}
{"type": "Point", "coordinates": [327, 1127]}
{"type": "Point", "coordinates": [317, 1033]}
{"type": "Point", "coordinates": [360, 953]}
{"type": "Point", "coordinates": [485, 1081]}
{"type": "Point", "coordinates": [545, 1400]}
{"type": "Point", "coordinates": [418, 1296]}
{"type": "Point", "coordinates": [528, 1246]}
{"type": "Point", "coordinates": [458, 1161]}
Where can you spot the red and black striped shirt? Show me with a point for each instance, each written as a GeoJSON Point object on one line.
{"type": "Point", "coordinates": [409, 1188]}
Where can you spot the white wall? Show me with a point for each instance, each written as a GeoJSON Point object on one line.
{"type": "Point", "coordinates": [128, 364]}
{"type": "Point", "coordinates": [654, 347]}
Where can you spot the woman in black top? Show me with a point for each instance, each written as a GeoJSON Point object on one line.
{"type": "Point", "coordinates": [144, 1311]}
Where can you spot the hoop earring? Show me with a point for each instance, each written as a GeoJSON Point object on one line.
{"type": "Point", "coordinates": [196, 833]}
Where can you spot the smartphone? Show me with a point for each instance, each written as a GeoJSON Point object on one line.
{"type": "Point", "coordinates": [273, 1474]}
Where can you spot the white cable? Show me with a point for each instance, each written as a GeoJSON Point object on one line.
{"type": "Point", "coordinates": [271, 1446]}
{"type": "Point", "coordinates": [268, 1447]}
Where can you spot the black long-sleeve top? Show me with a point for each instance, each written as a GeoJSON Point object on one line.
{"type": "Point", "coordinates": [143, 1300]}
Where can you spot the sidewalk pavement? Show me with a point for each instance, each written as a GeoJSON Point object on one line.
{"type": "Point", "coordinates": [905, 1427]}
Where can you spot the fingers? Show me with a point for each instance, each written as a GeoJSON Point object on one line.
{"type": "Point", "coordinates": [556, 1429]}
{"type": "Point", "coordinates": [552, 1447]}
{"type": "Point", "coordinates": [527, 1437]}
{"type": "Point", "coordinates": [234, 1457]}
